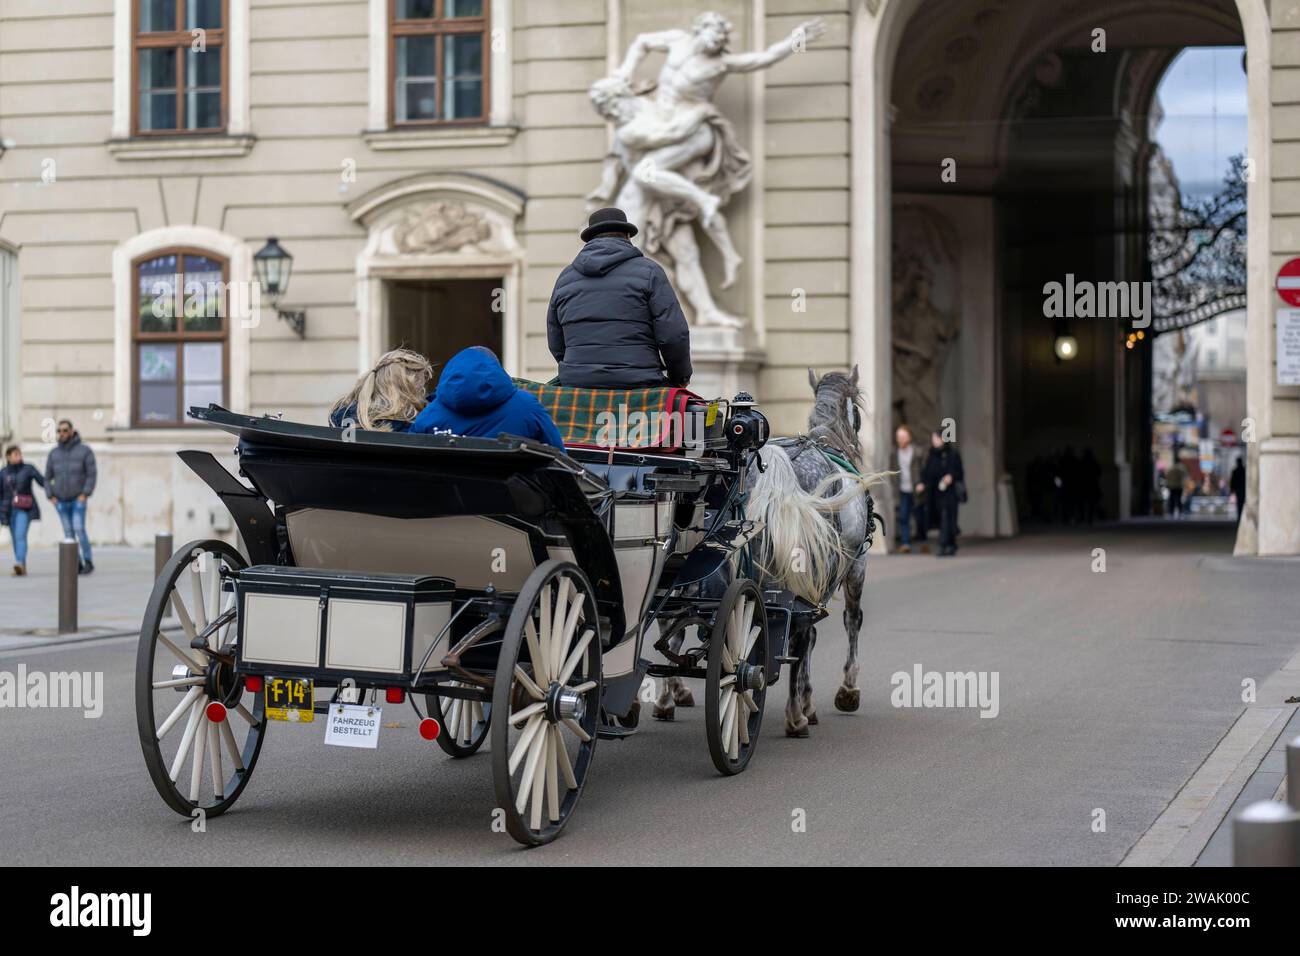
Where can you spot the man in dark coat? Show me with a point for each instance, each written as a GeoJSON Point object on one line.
{"type": "Point", "coordinates": [1238, 484]}
{"type": "Point", "coordinates": [70, 476]}
{"type": "Point", "coordinates": [614, 320]}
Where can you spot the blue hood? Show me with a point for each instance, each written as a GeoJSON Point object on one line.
{"type": "Point", "coordinates": [603, 253]}
{"type": "Point", "coordinates": [474, 382]}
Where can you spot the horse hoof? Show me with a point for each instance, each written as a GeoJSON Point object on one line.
{"type": "Point", "coordinates": [796, 730]}
{"type": "Point", "coordinates": [663, 713]}
{"type": "Point", "coordinates": [847, 699]}
{"type": "Point", "coordinates": [812, 716]}
{"type": "Point", "coordinates": [682, 697]}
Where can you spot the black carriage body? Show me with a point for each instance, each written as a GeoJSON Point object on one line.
{"type": "Point", "coordinates": [578, 506]}
{"type": "Point", "coordinates": [292, 623]}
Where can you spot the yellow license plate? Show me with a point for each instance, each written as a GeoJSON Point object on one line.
{"type": "Point", "coordinates": [291, 699]}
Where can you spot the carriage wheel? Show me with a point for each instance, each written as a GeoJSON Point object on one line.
{"type": "Point", "coordinates": [548, 683]}
{"type": "Point", "coordinates": [465, 723]}
{"type": "Point", "coordinates": [736, 680]}
{"type": "Point", "coordinates": [200, 728]}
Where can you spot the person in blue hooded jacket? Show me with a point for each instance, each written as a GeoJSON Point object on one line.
{"type": "Point", "coordinates": [475, 396]}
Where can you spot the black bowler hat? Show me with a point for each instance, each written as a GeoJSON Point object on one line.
{"type": "Point", "coordinates": [609, 219]}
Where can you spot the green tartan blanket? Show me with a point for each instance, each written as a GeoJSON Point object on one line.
{"type": "Point", "coordinates": [594, 416]}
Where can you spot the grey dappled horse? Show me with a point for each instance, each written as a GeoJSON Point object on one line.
{"type": "Point", "coordinates": [818, 523]}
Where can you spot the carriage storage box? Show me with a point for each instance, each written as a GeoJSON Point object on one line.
{"type": "Point", "coordinates": [319, 622]}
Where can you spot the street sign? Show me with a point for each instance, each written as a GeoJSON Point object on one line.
{"type": "Point", "coordinates": [1288, 282]}
{"type": "Point", "coordinates": [1288, 346]}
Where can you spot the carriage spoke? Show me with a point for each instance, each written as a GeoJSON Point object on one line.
{"type": "Point", "coordinates": [584, 687]}
{"type": "Point", "coordinates": [576, 613]}
{"type": "Point", "coordinates": [200, 746]}
{"type": "Point", "coordinates": [544, 636]}
{"type": "Point", "coordinates": [526, 712]}
{"type": "Point", "coordinates": [187, 739]}
{"type": "Point", "coordinates": [552, 779]}
{"type": "Point", "coordinates": [727, 681]}
{"type": "Point", "coordinates": [196, 583]}
{"type": "Point", "coordinates": [728, 718]}
{"type": "Point", "coordinates": [562, 757]}
{"type": "Point", "coordinates": [749, 641]}
{"type": "Point", "coordinates": [214, 752]}
{"type": "Point", "coordinates": [559, 626]}
{"type": "Point", "coordinates": [214, 589]}
{"type": "Point", "coordinates": [178, 682]}
{"type": "Point", "coordinates": [535, 749]}
{"type": "Point", "coordinates": [525, 741]}
{"type": "Point", "coordinates": [742, 726]}
{"type": "Point", "coordinates": [748, 698]}
{"type": "Point", "coordinates": [181, 656]}
{"type": "Point", "coordinates": [176, 714]}
{"type": "Point", "coordinates": [728, 662]}
{"type": "Point", "coordinates": [733, 750]}
{"type": "Point", "coordinates": [576, 657]}
{"type": "Point", "coordinates": [576, 728]}
{"type": "Point", "coordinates": [232, 748]}
{"type": "Point", "coordinates": [183, 615]}
{"type": "Point", "coordinates": [243, 712]}
{"type": "Point", "coordinates": [529, 684]}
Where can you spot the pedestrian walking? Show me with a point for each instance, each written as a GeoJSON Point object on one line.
{"type": "Point", "coordinates": [70, 476]}
{"type": "Point", "coordinates": [1175, 480]}
{"type": "Point", "coordinates": [944, 482]}
{"type": "Point", "coordinates": [906, 466]}
{"type": "Point", "coordinates": [1237, 481]}
{"type": "Point", "coordinates": [18, 507]}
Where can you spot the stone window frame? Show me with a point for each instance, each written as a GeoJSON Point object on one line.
{"type": "Point", "coordinates": [235, 139]}
{"type": "Point", "coordinates": [497, 129]}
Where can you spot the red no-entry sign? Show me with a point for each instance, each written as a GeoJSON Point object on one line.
{"type": "Point", "coordinates": [1288, 282]}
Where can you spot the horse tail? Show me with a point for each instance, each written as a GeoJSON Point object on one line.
{"type": "Point", "coordinates": [800, 547]}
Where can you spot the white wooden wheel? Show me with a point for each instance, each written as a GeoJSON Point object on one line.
{"type": "Point", "coordinates": [546, 702]}
{"type": "Point", "coordinates": [465, 723]}
{"type": "Point", "coordinates": [736, 677]}
{"type": "Point", "coordinates": [200, 728]}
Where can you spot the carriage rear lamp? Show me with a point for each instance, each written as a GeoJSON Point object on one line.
{"type": "Point", "coordinates": [747, 429]}
{"type": "Point", "coordinates": [430, 729]}
{"type": "Point", "coordinates": [253, 683]}
{"type": "Point", "coordinates": [394, 695]}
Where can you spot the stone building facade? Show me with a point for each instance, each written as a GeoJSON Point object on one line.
{"type": "Point", "coordinates": [426, 163]}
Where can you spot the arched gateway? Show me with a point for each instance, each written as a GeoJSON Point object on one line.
{"type": "Point", "coordinates": [961, 166]}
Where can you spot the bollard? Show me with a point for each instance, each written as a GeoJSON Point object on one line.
{"type": "Point", "coordinates": [1266, 833]}
{"type": "Point", "coordinates": [69, 566]}
{"type": "Point", "coordinates": [162, 552]}
{"type": "Point", "coordinates": [1293, 774]}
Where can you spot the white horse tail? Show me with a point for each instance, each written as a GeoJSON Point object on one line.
{"type": "Point", "coordinates": [799, 548]}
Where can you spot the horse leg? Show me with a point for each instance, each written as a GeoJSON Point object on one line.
{"type": "Point", "coordinates": [796, 724]}
{"type": "Point", "coordinates": [674, 690]}
{"type": "Point", "coordinates": [805, 697]}
{"type": "Point", "coordinates": [849, 697]}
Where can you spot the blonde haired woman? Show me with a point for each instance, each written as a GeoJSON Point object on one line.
{"type": "Point", "coordinates": [389, 396]}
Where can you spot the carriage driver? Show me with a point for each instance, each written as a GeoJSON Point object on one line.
{"type": "Point", "coordinates": [614, 320]}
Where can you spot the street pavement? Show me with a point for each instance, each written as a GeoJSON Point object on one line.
{"type": "Point", "coordinates": [1113, 689]}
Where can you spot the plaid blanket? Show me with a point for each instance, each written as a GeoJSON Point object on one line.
{"type": "Point", "coordinates": [597, 417]}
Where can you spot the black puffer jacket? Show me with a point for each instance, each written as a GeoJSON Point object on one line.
{"type": "Point", "coordinates": [614, 321]}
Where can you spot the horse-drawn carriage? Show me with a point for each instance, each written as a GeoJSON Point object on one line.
{"type": "Point", "coordinates": [504, 585]}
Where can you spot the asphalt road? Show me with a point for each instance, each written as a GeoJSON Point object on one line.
{"type": "Point", "coordinates": [1113, 688]}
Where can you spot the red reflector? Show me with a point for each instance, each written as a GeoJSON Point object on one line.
{"type": "Point", "coordinates": [394, 695]}
{"type": "Point", "coordinates": [253, 683]}
{"type": "Point", "coordinates": [429, 729]}
{"type": "Point", "coordinates": [216, 712]}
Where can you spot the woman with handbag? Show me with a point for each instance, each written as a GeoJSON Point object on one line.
{"type": "Point", "coordinates": [944, 482]}
{"type": "Point", "coordinates": [18, 507]}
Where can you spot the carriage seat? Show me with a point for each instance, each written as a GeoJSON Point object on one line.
{"type": "Point", "coordinates": [635, 419]}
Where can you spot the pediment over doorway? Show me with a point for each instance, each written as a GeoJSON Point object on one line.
{"type": "Point", "coordinates": [441, 215]}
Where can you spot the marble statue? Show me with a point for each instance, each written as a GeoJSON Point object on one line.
{"type": "Point", "coordinates": [676, 160]}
